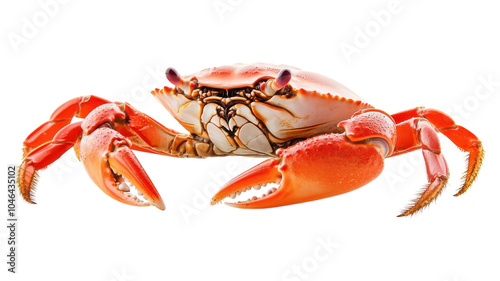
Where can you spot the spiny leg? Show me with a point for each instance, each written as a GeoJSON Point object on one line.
{"type": "Point", "coordinates": [419, 133]}
{"type": "Point", "coordinates": [460, 136]}
{"type": "Point", "coordinates": [106, 156]}
{"type": "Point", "coordinates": [78, 107]}
{"type": "Point", "coordinates": [51, 139]}
{"type": "Point", "coordinates": [468, 142]}
{"type": "Point", "coordinates": [44, 155]}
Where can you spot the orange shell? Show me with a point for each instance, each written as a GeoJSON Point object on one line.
{"type": "Point", "coordinates": [245, 75]}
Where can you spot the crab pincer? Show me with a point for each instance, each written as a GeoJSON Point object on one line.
{"type": "Point", "coordinates": [316, 168]}
{"type": "Point", "coordinates": [322, 139]}
{"type": "Point", "coordinates": [114, 168]}
{"type": "Point", "coordinates": [111, 164]}
{"type": "Point", "coordinates": [105, 152]}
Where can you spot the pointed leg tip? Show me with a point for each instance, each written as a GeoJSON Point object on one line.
{"type": "Point", "coordinates": [474, 163]}
{"type": "Point", "coordinates": [428, 196]}
{"type": "Point", "coordinates": [27, 178]}
{"type": "Point", "coordinates": [28, 194]}
{"type": "Point", "coordinates": [411, 210]}
{"type": "Point", "coordinates": [30, 199]}
{"type": "Point", "coordinates": [408, 213]}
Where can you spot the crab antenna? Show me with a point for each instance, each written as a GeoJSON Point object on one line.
{"type": "Point", "coordinates": [272, 86]}
{"type": "Point", "coordinates": [173, 76]}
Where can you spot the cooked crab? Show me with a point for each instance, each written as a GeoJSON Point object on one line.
{"type": "Point", "coordinates": [321, 139]}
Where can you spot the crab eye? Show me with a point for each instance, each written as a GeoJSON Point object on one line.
{"type": "Point", "coordinates": [173, 76]}
{"type": "Point", "coordinates": [283, 78]}
{"type": "Point", "coordinates": [272, 86]}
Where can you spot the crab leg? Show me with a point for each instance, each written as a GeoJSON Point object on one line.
{"type": "Point", "coordinates": [78, 107]}
{"type": "Point", "coordinates": [45, 155]}
{"type": "Point", "coordinates": [419, 133]}
{"type": "Point", "coordinates": [459, 135]}
{"type": "Point", "coordinates": [149, 135]}
{"type": "Point", "coordinates": [52, 139]}
{"type": "Point", "coordinates": [322, 166]}
{"type": "Point", "coordinates": [104, 143]}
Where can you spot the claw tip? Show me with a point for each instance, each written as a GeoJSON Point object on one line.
{"type": "Point", "coordinates": [160, 205]}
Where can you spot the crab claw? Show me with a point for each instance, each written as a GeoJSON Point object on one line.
{"type": "Point", "coordinates": [313, 169]}
{"type": "Point", "coordinates": [262, 174]}
{"type": "Point", "coordinates": [113, 167]}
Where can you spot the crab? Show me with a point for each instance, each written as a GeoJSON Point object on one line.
{"type": "Point", "coordinates": [320, 138]}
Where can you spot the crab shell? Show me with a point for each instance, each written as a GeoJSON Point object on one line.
{"type": "Point", "coordinates": [246, 125]}
{"type": "Point", "coordinates": [321, 138]}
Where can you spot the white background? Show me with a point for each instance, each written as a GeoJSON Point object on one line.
{"type": "Point", "coordinates": [426, 54]}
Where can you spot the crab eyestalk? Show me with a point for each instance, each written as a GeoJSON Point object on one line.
{"type": "Point", "coordinates": [181, 87]}
{"type": "Point", "coordinates": [173, 76]}
{"type": "Point", "coordinates": [272, 86]}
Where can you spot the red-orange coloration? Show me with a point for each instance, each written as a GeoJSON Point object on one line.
{"type": "Point", "coordinates": [316, 168]}
{"type": "Point", "coordinates": [322, 139]}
